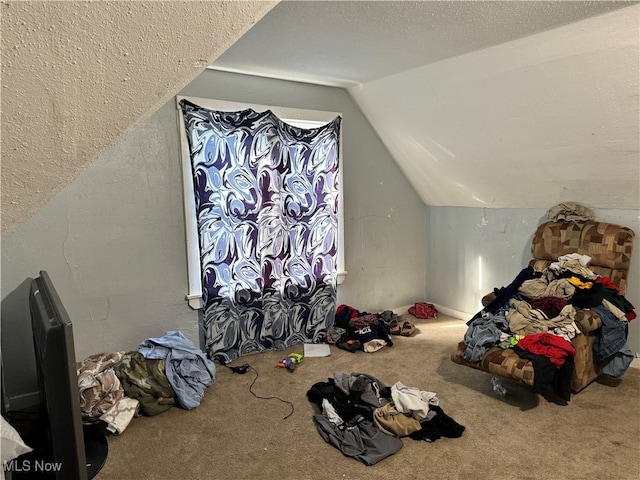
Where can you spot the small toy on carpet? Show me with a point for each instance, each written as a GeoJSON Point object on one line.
{"type": "Point", "coordinates": [290, 361]}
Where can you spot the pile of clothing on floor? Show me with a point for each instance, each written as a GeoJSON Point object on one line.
{"type": "Point", "coordinates": [163, 372]}
{"type": "Point", "coordinates": [354, 330]}
{"type": "Point", "coordinates": [366, 419]}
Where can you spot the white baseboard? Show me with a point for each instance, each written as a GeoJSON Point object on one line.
{"type": "Point", "coordinates": [402, 310]}
{"type": "Point", "coordinates": [454, 313]}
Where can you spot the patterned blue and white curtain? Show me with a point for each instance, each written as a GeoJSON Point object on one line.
{"type": "Point", "coordinates": [267, 211]}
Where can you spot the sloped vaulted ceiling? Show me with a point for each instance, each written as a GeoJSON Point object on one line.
{"type": "Point", "coordinates": [509, 104]}
{"type": "Point", "coordinates": [549, 118]}
{"type": "Point", "coordinates": [76, 76]}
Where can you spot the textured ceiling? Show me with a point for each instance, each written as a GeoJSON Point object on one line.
{"type": "Point", "coordinates": [345, 43]}
{"type": "Point", "coordinates": [76, 76]}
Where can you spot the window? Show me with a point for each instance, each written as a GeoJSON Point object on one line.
{"type": "Point", "coordinates": [297, 117]}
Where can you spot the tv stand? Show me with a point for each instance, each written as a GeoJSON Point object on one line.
{"type": "Point", "coordinates": [96, 448]}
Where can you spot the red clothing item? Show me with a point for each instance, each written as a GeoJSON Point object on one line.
{"type": "Point", "coordinates": [347, 311]}
{"type": "Point", "coordinates": [549, 345]}
{"type": "Point", "coordinates": [423, 310]}
{"type": "Point", "coordinates": [607, 283]}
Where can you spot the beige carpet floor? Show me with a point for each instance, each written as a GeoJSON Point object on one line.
{"type": "Point", "coordinates": [234, 436]}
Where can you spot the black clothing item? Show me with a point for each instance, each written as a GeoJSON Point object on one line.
{"type": "Point", "coordinates": [350, 345]}
{"type": "Point", "coordinates": [554, 384]}
{"type": "Point", "coordinates": [360, 328]}
{"type": "Point", "coordinates": [505, 293]}
{"type": "Point", "coordinates": [344, 406]}
{"type": "Point", "coordinates": [367, 333]}
{"type": "Point", "coordinates": [344, 313]}
{"type": "Point", "coordinates": [619, 301]}
{"type": "Point", "coordinates": [441, 425]}
{"type": "Point", "coordinates": [588, 297]}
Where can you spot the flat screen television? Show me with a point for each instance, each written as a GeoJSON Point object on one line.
{"type": "Point", "coordinates": [63, 447]}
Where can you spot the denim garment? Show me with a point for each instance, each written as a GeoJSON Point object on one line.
{"type": "Point", "coordinates": [618, 363]}
{"type": "Point", "coordinates": [483, 332]}
{"type": "Point", "coordinates": [188, 370]}
{"type": "Point", "coordinates": [613, 336]}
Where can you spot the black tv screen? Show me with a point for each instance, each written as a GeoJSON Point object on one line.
{"type": "Point", "coordinates": [57, 378]}
{"type": "Point", "coordinates": [63, 447]}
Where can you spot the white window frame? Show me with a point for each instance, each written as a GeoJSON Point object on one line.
{"type": "Point", "coordinates": [294, 116]}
